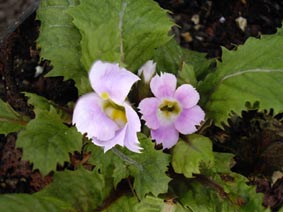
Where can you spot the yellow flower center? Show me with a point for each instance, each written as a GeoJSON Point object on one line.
{"type": "Point", "coordinates": [104, 95]}
{"type": "Point", "coordinates": [168, 111]}
{"type": "Point", "coordinates": [115, 112]}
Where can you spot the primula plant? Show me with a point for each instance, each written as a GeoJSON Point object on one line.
{"type": "Point", "coordinates": [143, 116]}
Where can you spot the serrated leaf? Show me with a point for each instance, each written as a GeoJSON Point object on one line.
{"type": "Point", "coordinates": [129, 34]}
{"type": "Point", "coordinates": [221, 193]}
{"type": "Point", "coordinates": [46, 141]}
{"type": "Point", "coordinates": [155, 204]}
{"type": "Point", "coordinates": [59, 41]}
{"type": "Point", "coordinates": [171, 56]}
{"type": "Point", "coordinates": [251, 73]}
{"type": "Point", "coordinates": [201, 198]}
{"type": "Point", "coordinates": [10, 120]}
{"type": "Point", "coordinates": [84, 190]}
{"type": "Point", "coordinates": [148, 168]}
{"type": "Point", "coordinates": [40, 104]}
{"type": "Point", "coordinates": [187, 75]}
{"type": "Point", "coordinates": [28, 203]}
{"type": "Point", "coordinates": [187, 157]}
{"type": "Point", "coordinates": [149, 172]}
{"type": "Point", "coordinates": [242, 196]}
{"type": "Point", "coordinates": [257, 85]}
{"type": "Point", "coordinates": [108, 164]}
{"type": "Point", "coordinates": [124, 203]}
{"type": "Point", "coordinates": [223, 162]}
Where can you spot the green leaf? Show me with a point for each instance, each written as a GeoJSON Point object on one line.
{"type": "Point", "coordinates": [108, 164]}
{"type": "Point", "coordinates": [252, 73]}
{"type": "Point", "coordinates": [125, 31]}
{"type": "Point", "coordinates": [10, 120]}
{"type": "Point", "coordinates": [40, 103]}
{"type": "Point", "coordinates": [148, 168]}
{"type": "Point", "coordinates": [203, 198]}
{"type": "Point", "coordinates": [257, 85]}
{"type": "Point", "coordinates": [228, 192]}
{"type": "Point", "coordinates": [242, 194]}
{"type": "Point", "coordinates": [59, 41]}
{"type": "Point", "coordinates": [84, 190]}
{"type": "Point", "coordinates": [171, 56]}
{"type": "Point", "coordinates": [223, 162]}
{"type": "Point", "coordinates": [187, 157]}
{"type": "Point", "coordinates": [187, 75]}
{"type": "Point", "coordinates": [149, 171]}
{"type": "Point", "coordinates": [124, 204]}
{"type": "Point", "coordinates": [155, 204]}
{"type": "Point", "coordinates": [46, 141]}
{"type": "Point", "coordinates": [28, 203]}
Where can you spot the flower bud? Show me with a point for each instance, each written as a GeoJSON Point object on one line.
{"type": "Point", "coordinates": [147, 71]}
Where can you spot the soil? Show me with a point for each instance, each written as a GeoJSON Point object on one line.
{"type": "Point", "coordinates": [204, 26]}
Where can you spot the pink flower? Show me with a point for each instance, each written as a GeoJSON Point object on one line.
{"type": "Point", "coordinates": [104, 114]}
{"type": "Point", "coordinates": [171, 111]}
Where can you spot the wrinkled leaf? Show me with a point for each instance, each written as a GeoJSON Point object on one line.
{"type": "Point", "coordinates": [10, 120]}
{"type": "Point", "coordinates": [187, 157]}
{"type": "Point", "coordinates": [40, 103]}
{"type": "Point", "coordinates": [124, 203]}
{"type": "Point", "coordinates": [59, 41]}
{"type": "Point", "coordinates": [125, 31]}
{"type": "Point", "coordinates": [252, 73]}
{"type": "Point", "coordinates": [258, 85]}
{"type": "Point", "coordinates": [46, 141]}
{"type": "Point", "coordinates": [28, 203]}
{"type": "Point", "coordinates": [155, 204]}
{"type": "Point", "coordinates": [148, 168]}
{"type": "Point", "coordinates": [220, 192]}
{"type": "Point", "coordinates": [223, 162]}
{"type": "Point", "coordinates": [84, 190]}
{"type": "Point", "coordinates": [171, 56]}
{"type": "Point", "coordinates": [187, 75]}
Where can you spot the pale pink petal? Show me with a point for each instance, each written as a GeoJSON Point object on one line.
{"type": "Point", "coordinates": [163, 85]}
{"type": "Point", "coordinates": [132, 117]}
{"type": "Point", "coordinates": [109, 144]}
{"type": "Point", "coordinates": [133, 126]}
{"type": "Point", "coordinates": [111, 79]}
{"type": "Point", "coordinates": [188, 119]}
{"type": "Point", "coordinates": [167, 136]}
{"type": "Point", "coordinates": [187, 96]}
{"type": "Point", "coordinates": [89, 118]}
{"type": "Point", "coordinates": [147, 71]}
{"type": "Point", "coordinates": [148, 108]}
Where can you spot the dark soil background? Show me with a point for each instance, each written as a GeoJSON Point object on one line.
{"type": "Point", "coordinates": [256, 138]}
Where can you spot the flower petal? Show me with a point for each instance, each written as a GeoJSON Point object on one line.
{"type": "Point", "coordinates": [168, 136]}
{"type": "Point", "coordinates": [117, 139]}
{"type": "Point", "coordinates": [187, 95]}
{"type": "Point", "coordinates": [147, 71]}
{"type": "Point", "coordinates": [132, 118]}
{"type": "Point", "coordinates": [133, 126]}
{"type": "Point", "coordinates": [89, 118]}
{"type": "Point", "coordinates": [148, 108]}
{"type": "Point", "coordinates": [188, 119]}
{"type": "Point", "coordinates": [110, 79]}
{"type": "Point", "coordinates": [163, 85]}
